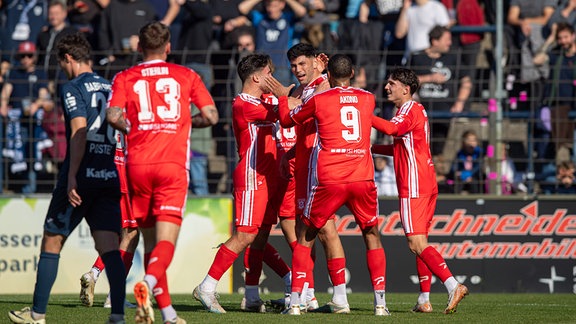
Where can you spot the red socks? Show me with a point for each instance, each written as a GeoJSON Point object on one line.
{"type": "Point", "coordinates": [337, 271]}
{"type": "Point", "coordinates": [301, 264]}
{"type": "Point", "coordinates": [253, 266]}
{"type": "Point", "coordinates": [424, 275]}
{"type": "Point", "coordinates": [435, 263]}
{"type": "Point", "coordinates": [376, 260]}
{"type": "Point", "coordinates": [273, 259]}
{"type": "Point", "coordinates": [222, 262]}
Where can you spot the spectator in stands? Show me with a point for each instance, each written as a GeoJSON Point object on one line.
{"type": "Point", "coordinates": [25, 98]}
{"type": "Point", "coordinates": [469, 13]}
{"type": "Point", "coordinates": [467, 167]}
{"type": "Point", "coordinates": [566, 12]}
{"type": "Point", "coordinates": [442, 167]}
{"type": "Point", "coordinates": [119, 26]}
{"type": "Point", "coordinates": [566, 183]}
{"type": "Point", "coordinates": [317, 29]}
{"type": "Point", "coordinates": [84, 15]}
{"type": "Point", "coordinates": [559, 93]}
{"type": "Point", "coordinates": [384, 176]}
{"type": "Point", "coordinates": [354, 38]}
{"type": "Point", "coordinates": [196, 38]}
{"type": "Point", "coordinates": [378, 19]}
{"type": "Point", "coordinates": [47, 39]}
{"type": "Point", "coordinates": [444, 89]}
{"type": "Point", "coordinates": [512, 180]}
{"type": "Point", "coordinates": [274, 27]}
{"type": "Point", "coordinates": [528, 19]}
{"type": "Point", "coordinates": [168, 12]}
{"type": "Point", "coordinates": [22, 20]}
{"type": "Point", "coordinates": [416, 21]}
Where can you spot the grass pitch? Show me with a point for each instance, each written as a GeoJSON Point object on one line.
{"type": "Point", "coordinates": [475, 308]}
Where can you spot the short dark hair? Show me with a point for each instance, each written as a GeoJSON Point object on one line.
{"type": "Point", "coordinates": [299, 50]}
{"type": "Point", "coordinates": [340, 66]}
{"type": "Point", "coordinates": [153, 37]}
{"type": "Point", "coordinates": [407, 77]}
{"type": "Point", "coordinates": [75, 45]}
{"type": "Point", "coordinates": [251, 64]}
{"type": "Point", "coordinates": [437, 32]}
{"type": "Point", "coordinates": [564, 26]}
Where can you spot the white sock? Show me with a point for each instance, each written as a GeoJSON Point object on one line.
{"type": "Point", "coordinates": [95, 273]}
{"type": "Point", "coordinates": [208, 284]}
{"type": "Point", "coordinates": [310, 294]}
{"type": "Point", "coordinates": [380, 297]}
{"type": "Point", "coordinates": [304, 294]}
{"type": "Point", "coordinates": [450, 284]}
{"type": "Point", "coordinates": [168, 313]}
{"type": "Point", "coordinates": [339, 297]}
{"type": "Point", "coordinates": [287, 283]}
{"type": "Point", "coordinates": [252, 293]}
{"type": "Point", "coordinates": [151, 281]}
{"type": "Point", "coordinates": [37, 316]}
{"type": "Point", "coordinates": [294, 299]}
{"type": "Point", "coordinates": [423, 297]}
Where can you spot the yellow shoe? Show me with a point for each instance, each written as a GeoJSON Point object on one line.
{"type": "Point", "coordinates": [24, 316]}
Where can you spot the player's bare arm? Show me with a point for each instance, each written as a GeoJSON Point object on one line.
{"type": "Point", "coordinates": [115, 117]}
{"type": "Point", "coordinates": [208, 116]}
{"type": "Point", "coordinates": [77, 149]}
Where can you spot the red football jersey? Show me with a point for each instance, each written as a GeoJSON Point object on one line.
{"type": "Point", "coordinates": [156, 96]}
{"type": "Point", "coordinates": [344, 121]}
{"type": "Point", "coordinates": [254, 123]}
{"type": "Point", "coordinates": [415, 174]}
{"type": "Point", "coordinates": [306, 132]}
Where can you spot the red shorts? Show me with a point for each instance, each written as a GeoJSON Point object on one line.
{"type": "Point", "coordinates": [252, 207]}
{"type": "Point", "coordinates": [360, 197]}
{"type": "Point", "coordinates": [158, 193]}
{"type": "Point", "coordinates": [301, 192]}
{"type": "Point", "coordinates": [286, 195]}
{"type": "Point", "coordinates": [416, 214]}
{"type": "Point", "coordinates": [128, 220]}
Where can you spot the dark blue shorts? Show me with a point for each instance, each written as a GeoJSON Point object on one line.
{"type": "Point", "coordinates": [100, 207]}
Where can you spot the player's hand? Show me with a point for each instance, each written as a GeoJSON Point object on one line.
{"type": "Point", "coordinates": [293, 103]}
{"type": "Point", "coordinates": [322, 61]}
{"type": "Point", "coordinates": [276, 87]}
{"type": "Point", "coordinates": [73, 197]}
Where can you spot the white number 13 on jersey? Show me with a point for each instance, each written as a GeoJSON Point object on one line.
{"type": "Point", "coordinates": [170, 89]}
{"type": "Point", "coordinates": [350, 117]}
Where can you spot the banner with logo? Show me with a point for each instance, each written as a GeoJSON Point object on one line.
{"type": "Point", "coordinates": [206, 224]}
{"type": "Point", "coordinates": [490, 244]}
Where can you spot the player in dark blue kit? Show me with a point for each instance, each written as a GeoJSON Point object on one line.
{"type": "Point", "coordinates": [88, 184]}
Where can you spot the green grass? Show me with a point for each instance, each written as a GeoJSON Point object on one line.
{"type": "Point", "coordinates": [475, 308]}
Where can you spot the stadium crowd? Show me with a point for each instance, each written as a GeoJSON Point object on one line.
{"type": "Point", "coordinates": [444, 42]}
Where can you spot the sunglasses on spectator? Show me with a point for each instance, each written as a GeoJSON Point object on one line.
{"type": "Point", "coordinates": [28, 55]}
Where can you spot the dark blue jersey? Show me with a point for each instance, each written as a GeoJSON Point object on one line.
{"type": "Point", "coordinates": [86, 96]}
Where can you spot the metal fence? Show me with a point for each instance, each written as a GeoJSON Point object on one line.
{"type": "Point", "coordinates": [523, 136]}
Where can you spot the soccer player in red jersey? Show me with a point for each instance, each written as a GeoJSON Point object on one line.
{"type": "Point", "coordinates": [343, 174]}
{"type": "Point", "coordinates": [130, 234]}
{"type": "Point", "coordinates": [150, 103]}
{"type": "Point", "coordinates": [253, 124]}
{"type": "Point", "coordinates": [417, 187]}
{"type": "Point", "coordinates": [307, 66]}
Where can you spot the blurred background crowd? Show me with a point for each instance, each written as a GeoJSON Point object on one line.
{"type": "Point", "coordinates": [448, 43]}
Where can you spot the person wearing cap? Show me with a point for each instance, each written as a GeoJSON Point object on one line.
{"type": "Point", "coordinates": [25, 98]}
